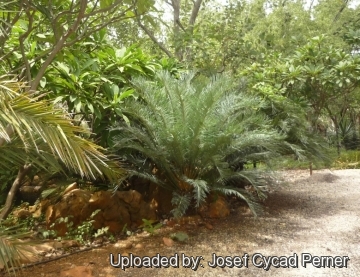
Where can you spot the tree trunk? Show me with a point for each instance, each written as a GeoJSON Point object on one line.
{"type": "Point", "coordinates": [338, 139]}
{"type": "Point", "coordinates": [336, 126]}
{"type": "Point", "coordinates": [14, 188]}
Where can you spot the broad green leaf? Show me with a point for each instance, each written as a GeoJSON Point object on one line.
{"type": "Point", "coordinates": [88, 63]}
{"type": "Point", "coordinates": [58, 99]}
{"type": "Point", "coordinates": [120, 52]}
{"type": "Point", "coordinates": [73, 98]}
{"type": "Point", "coordinates": [40, 35]}
{"type": "Point", "coordinates": [118, 111]}
{"type": "Point", "coordinates": [78, 105]}
{"type": "Point", "coordinates": [63, 67]}
{"type": "Point", "coordinates": [43, 82]}
{"type": "Point", "coordinates": [98, 113]}
{"type": "Point", "coordinates": [91, 107]}
{"type": "Point", "coordinates": [115, 89]}
{"type": "Point", "coordinates": [126, 94]}
{"type": "Point", "coordinates": [105, 3]}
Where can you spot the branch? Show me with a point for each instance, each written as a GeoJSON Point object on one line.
{"type": "Point", "coordinates": [311, 5]}
{"type": "Point", "coordinates": [21, 41]}
{"type": "Point", "coordinates": [101, 11]}
{"type": "Point", "coordinates": [154, 39]}
{"type": "Point", "coordinates": [194, 13]}
{"type": "Point", "coordinates": [340, 11]}
{"type": "Point", "coordinates": [33, 60]}
{"type": "Point", "coordinates": [9, 53]}
{"type": "Point", "coordinates": [10, 25]}
{"type": "Point", "coordinates": [87, 32]}
{"type": "Point", "coordinates": [180, 25]}
{"type": "Point", "coordinates": [59, 45]}
{"type": "Point", "coordinates": [176, 7]}
{"type": "Point", "coordinates": [14, 188]}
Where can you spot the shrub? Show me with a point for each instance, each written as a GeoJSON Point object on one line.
{"type": "Point", "coordinates": [188, 134]}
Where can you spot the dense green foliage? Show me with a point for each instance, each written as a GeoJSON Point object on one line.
{"type": "Point", "coordinates": [93, 85]}
{"type": "Point", "coordinates": [322, 79]}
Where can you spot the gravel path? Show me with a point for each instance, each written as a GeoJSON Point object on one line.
{"type": "Point", "coordinates": [318, 215]}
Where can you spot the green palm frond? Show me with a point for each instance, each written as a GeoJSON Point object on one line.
{"type": "Point", "coordinates": [13, 247]}
{"type": "Point", "coordinates": [192, 132]}
{"type": "Point", "coordinates": [33, 131]}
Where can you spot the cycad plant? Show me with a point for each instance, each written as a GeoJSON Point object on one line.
{"type": "Point", "coordinates": [33, 133]}
{"type": "Point", "coordinates": [192, 132]}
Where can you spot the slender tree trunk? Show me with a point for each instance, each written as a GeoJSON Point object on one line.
{"type": "Point", "coordinates": [336, 126]}
{"type": "Point", "coordinates": [338, 140]}
{"type": "Point", "coordinates": [14, 188]}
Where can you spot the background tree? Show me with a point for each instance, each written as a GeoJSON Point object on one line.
{"type": "Point", "coordinates": [230, 35]}
{"type": "Point", "coordinates": [327, 78]}
{"type": "Point", "coordinates": [33, 35]}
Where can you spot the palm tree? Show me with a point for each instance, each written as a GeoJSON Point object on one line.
{"type": "Point", "coordinates": [33, 133]}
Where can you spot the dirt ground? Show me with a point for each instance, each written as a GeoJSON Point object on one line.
{"type": "Point", "coordinates": [318, 215]}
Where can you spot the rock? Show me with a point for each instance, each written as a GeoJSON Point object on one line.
{"type": "Point", "coordinates": [36, 180]}
{"type": "Point", "coordinates": [218, 209]}
{"type": "Point", "coordinates": [78, 271]}
{"type": "Point", "coordinates": [22, 213]}
{"type": "Point", "coordinates": [41, 208]}
{"type": "Point", "coordinates": [124, 244]}
{"type": "Point", "coordinates": [30, 193]}
{"type": "Point", "coordinates": [113, 213]}
{"type": "Point", "coordinates": [139, 246]}
{"type": "Point", "coordinates": [128, 245]}
{"type": "Point", "coordinates": [131, 197]}
{"type": "Point", "coordinates": [57, 244]}
{"type": "Point", "coordinates": [71, 187]}
{"type": "Point", "coordinates": [168, 242]}
{"type": "Point", "coordinates": [143, 210]}
{"type": "Point", "coordinates": [32, 209]}
{"type": "Point", "coordinates": [209, 226]}
{"type": "Point", "coordinates": [171, 223]}
{"type": "Point", "coordinates": [73, 205]}
{"type": "Point", "coordinates": [70, 243]}
{"type": "Point", "coordinates": [115, 210]}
